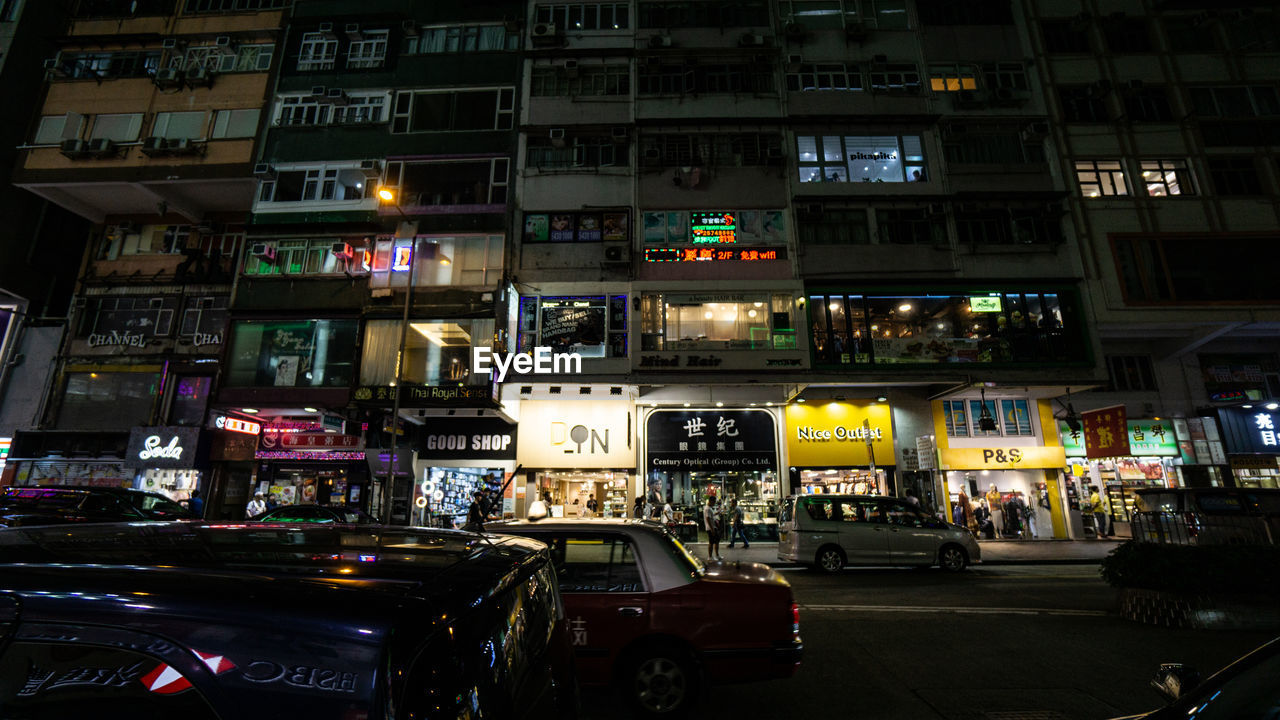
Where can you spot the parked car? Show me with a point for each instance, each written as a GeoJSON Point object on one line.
{"type": "Point", "coordinates": [1207, 516]}
{"type": "Point", "coordinates": [63, 504]}
{"type": "Point", "coordinates": [646, 615]}
{"type": "Point", "coordinates": [828, 532]}
{"type": "Point", "coordinates": [1247, 688]}
{"type": "Point", "coordinates": [248, 621]}
{"type": "Point", "coordinates": [316, 514]}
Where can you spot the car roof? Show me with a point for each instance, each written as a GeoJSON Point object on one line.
{"type": "Point", "coordinates": [81, 489]}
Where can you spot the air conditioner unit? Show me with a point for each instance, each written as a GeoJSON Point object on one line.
{"type": "Point", "coordinates": [55, 66]}
{"type": "Point", "coordinates": [659, 41]}
{"type": "Point", "coordinates": [325, 28]}
{"type": "Point", "coordinates": [571, 68]}
{"type": "Point", "coordinates": [409, 28]}
{"type": "Point", "coordinates": [557, 137]}
{"type": "Point", "coordinates": [318, 92]}
{"type": "Point", "coordinates": [172, 43]}
{"type": "Point", "coordinates": [153, 146]}
{"type": "Point", "coordinates": [265, 171]}
{"type": "Point", "coordinates": [266, 251]}
{"type": "Point", "coordinates": [372, 169]}
{"type": "Point", "coordinates": [199, 75]}
{"type": "Point", "coordinates": [855, 30]}
{"type": "Point", "coordinates": [793, 30]}
{"type": "Point", "coordinates": [224, 45]}
{"type": "Point", "coordinates": [617, 253]}
{"type": "Point", "coordinates": [544, 31]}
{"type": "Point", "coordinates": [167, 77]}
{"type": "Point", "coordinates": [619, 134]}
{"type": "Point", "coordinates": [336, 96]}
{"type": "Point", "coordinates": [751, 40]}
{"type": "Point", "coordinates": [73, 148]}
{"type": "Point", "coordinates": [181, 146]}
{"type": "Point", "coordinates": [352, 31]}
{"type": "Point", "coordinates": [101, 146]}
{"type": "Point", "coordinates": [343, 250]}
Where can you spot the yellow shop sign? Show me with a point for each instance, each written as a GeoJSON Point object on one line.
{"type": "Point", "coordinates": [835, 434]}
{"type": "Point", "coordinates": [1002, 458]}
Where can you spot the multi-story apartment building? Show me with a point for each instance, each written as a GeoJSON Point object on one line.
{"type": "Point", "coordinates": [147, 130]}
{"type": "Point", "coordinates": [1163, 115]}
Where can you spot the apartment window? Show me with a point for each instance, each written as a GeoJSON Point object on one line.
{"type": "Point", "coordinates": [681, 78]}
{"type": "Point", "coordinates": [824, 76]}
{"type": "Point", "coordinates": [592, 326]}
{"type": "Point", "coordinates": [962, 12]}
{"type": "Point", "coordinates": [1187, 34]}
{"type": "Point", "coordinates": [1012, 418]}
{"type": "Point", "coordinates": [1101, 178]}
{"type": "Point", "coordinates": [118, 128]}
{"type": "Point", "coordinates": [370, 51]}
{"type": "Point", "coordinates": [1234, 175]}
{"type": "Point", "coordinates": [609, 80]}
{"type": "Point", "coordinates": [911, 226]}
{"type": "Point", "coordinates": [9, 10]}
{"type": "Point", "coordinates": [204, 315]}
{"type": "Point", "coordinates": [1082, 104]}
{"type": "Point", "coordinates": [292, 353]}
{"type": "Point", "coordinates": [361, 109]}
{"type": "Point", "coordinates": [461, 38]}
{"type": "Point", "coordinates": [836, 14]}
{"type": "Point", "coordinates": [179, 125]}
{"type": "Point", "coordinates": [585, 16]}
{"type": "Point", "coordinates": [436, 111]}
{"type": "Point", "coordinates": [202, 6]}
{"type": "Point", "coordinates": [103, 65]}
{"type": "Point", "coordinates": [244, 58]}
{"type": "Point", "coordinates": [1130, 373]}
{"type": "Point", "coordinates": [316, 184]}
{"type": "Point", "coordinates": [1167, 177]}
{"type": "Point", "coordinates": [1065, 36]}
{"type": "Point", "coordinates": [300, 257]}
{"type": "Point", "coordinates": [1253, 31]}
{"type": "Point", "coordinates": [752, 13]}
{"type": "Point", "coordinates": [228, 124]}
{"type": "Point", "coordinates": [1147, 105]}
{"type": "Point", "coordinates": [737, 321]}
{"type": "Point", "coordinates": [833, 227]}
{"type": "Point", "coordinates": [860, 158]}
{"type": "Point", "coordinates": [956, 418]}
{"type": "Point", "coordinates": [151, 317]}
{"type": "Point", "coordinates": [466, 261]}
{"type": "Point", "coordinates": [436, 352]}
{"type": "Point", "coordinates": [1195, 268]}
{"type": "Point", "coordinates": [1005, 75]}
{"type": "Point", "coordinates": [453, 182]}
{"type": "Point", "coordinates": [584, 151]}
{"type": "Point", "coordinates": [1007, 148]}
{"type": "Point", "coordinates": [303, 110]}
{"type": "Point", "coordinates": [953, 78]}
{"type": "Point", "coordinates": [120, 240]}
{"type": "Point", "coordinates": [722, 150]}
{"type": "Point", "coordinates": [318, 52]}
{"type": "Point", "coordinates": [894, 78]}
{"type": "Point", "coordinates": [107, 399]}
{"type": "Point", "coordinates": [1007, 225]}
{"type": "Point", "coordinates": [1127, 35]}
{"type": "Point", "coordinates": [53, 129]}
{"type": "Point", "coordinates": [1236, 102]}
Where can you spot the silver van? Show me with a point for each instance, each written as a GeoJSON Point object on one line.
{"type": "Point", "coordinates": [828, 532]}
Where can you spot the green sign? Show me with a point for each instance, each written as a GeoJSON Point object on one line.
{"type": "Point", "coordinates": [1147, 438]}
{"type": "Point", "coordinates": [985, 303]}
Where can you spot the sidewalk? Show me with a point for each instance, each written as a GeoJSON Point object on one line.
{"type": "Point", "coordinates": [994, 552]}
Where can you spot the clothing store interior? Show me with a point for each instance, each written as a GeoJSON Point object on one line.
{"type": "Point", "coordinates": [1001, 504]}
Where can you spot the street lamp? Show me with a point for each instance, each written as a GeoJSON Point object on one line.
{"type": "Point", "coordinates": [387, 195]}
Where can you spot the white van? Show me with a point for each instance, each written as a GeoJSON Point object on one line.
{"type": "Point", "coordinates": [828, 532]}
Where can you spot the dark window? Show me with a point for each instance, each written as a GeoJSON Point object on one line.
{"type": "Point", "coordinates": [595, 563]}
{"type": "Point", "coordinates": [304, 353]}
{"type": "Point", "coordinates": [1240, 133]}
{"type": "Point", "coordinates": [1234, 175]}
{"type": "Point", "coordinates": [107, 399]}
{"type": "Point", "coordinates": [190, 398]}
{"type": "Point", "coordinates": [1127, 35]}
{"type": "Point", "coordinates": [1192, 268]}
{"type": "Point", "coordinates": [1241, 101]}
{"type": "Point", "coordinates": [581, 152]}
{"type": "Point", "coordinates": [208, 6]}
{"type": "Point", "coordinates": [911, 226]}
{"type": "Point", "coordinates": [991, 148]}
{"type": "Point", "coordinates": [8, 10]}
{"type": "Point", "coordinates": [964, 12]}
{"type": "Point", "coordinates": [1130, 373]}
{"type": "Point", "coordinates": [1147, 105]}
{"type": "Point", "coordinates": [1065, 36]}
{"type": "Point", "coordinates": [833, 227]}
{"type": "Point", "coordinates": [1083, 104]}
{"type": "Point", "coordinates": [681, 78]}
{"type": "Point", "coordinates": [703, 14]}
{"type": "Point", "coordinates": [1250, 30]}
{"type": "Point", "coordinates": [1188, 34]}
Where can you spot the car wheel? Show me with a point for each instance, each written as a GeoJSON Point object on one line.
{"type": "Point", "coordinates": [830, 559]}
{"type": "Point", "coordinates": [952, 558]}
{"type": "Point", "coordinates": [661, 681]}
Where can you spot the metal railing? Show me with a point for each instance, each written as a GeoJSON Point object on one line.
{"type": "Point", "coordinates": [1190, 528]}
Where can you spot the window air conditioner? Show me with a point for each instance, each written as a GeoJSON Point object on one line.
{"type": "Point", "coordinates": [102, 146]}
{"type": "Point", "coordinates": [336, 96]}
{"type": "Point", "coordinates": [652, 154]}
{"type": "Point", "coordinates": [73, 148]}
{"type": "Point", "coordinates": [325, 28]}
{"type": "Point", "coordinates": [571, 68]}
{"type": "Point", "coordinates": [318, 92]}
{"type": "Point", "coordinates": [352, 31]}
{"type": "Point", "coordinates": [153, 145]}
{"type": "Point", "coordinates": [181, 146]}
{"type": "Point", "coordinates": [544, 31]}
{"type": "Point", "coordinates": [617, 253]}
{"type": "Point", "coordinates": [343, 250]}
{"type": "Point", "coordinates": [172, 43]}
{"type": "Point", "coordinates": [266, 251]}
{"type": "Point", "coordinates": [199, 75]}
{"type": "Point", "coordinates": [372, 169]}
{"type": "Point", "coordinates": [557, 137]}
{"type": "Point", "coordinates": [224, 45]}
{"type": "Point", "coordinates": [167, 77]}
{"type": "Point", "coordinates": [264, 170]}
{"type": "Point", "coordinates": [659, 41]}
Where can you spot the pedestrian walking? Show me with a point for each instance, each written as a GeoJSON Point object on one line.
{"type": "Point", "coordinates": [196, 504]}
{"type": "Point", "coordinates": [257, 506]}
{"type": "Point", "coordinates": [912, 499]}
{"type": "Point", "coordinates": [739, 526]}
{"type": "Point", "coordinates": [476, 514]}
{"type": "Point", "coordinates": [668, 515]}
{"type": "Point", "coordinates": [712, 520]}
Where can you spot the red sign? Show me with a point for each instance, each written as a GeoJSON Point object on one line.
{"type": "Point", "coordinates": [320, 441]}
{"type": "Point", "coordinates": [1106, 432]}
{"type": "Point", "coordinates": [226, 422]}
{"type": "Point", "coordinates": [706, 254]}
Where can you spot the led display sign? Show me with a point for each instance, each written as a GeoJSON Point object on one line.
{"type": "Point", "coordinates": [247, 427]}
{"type": "Point", "coordinates": [714, 254]}
{"type": "Point", "coordinates": [713, 227]}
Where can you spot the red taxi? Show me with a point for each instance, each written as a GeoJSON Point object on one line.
{"type": "Point", "coordinates": [645, 614]}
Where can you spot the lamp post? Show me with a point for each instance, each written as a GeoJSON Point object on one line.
{"type": "Point", "coordinates": [387, 195]}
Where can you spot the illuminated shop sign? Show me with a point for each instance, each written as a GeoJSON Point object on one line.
{"type": "Point", "coordinates": [1250, 431]}
{"type": "Point", "coordinates": [402, 258]}
{"type": "Point", "coordinates": [713, 227]}
{"type": "Point", "coordinates": [985, 303]}
{"type": "Point", "coordinates": [236, 425]}
{"type": "Point", "coordinates": [162, 447]}
{"type": "Point", "coordinates": [1146, 438]}
{"type": "Point", "coordinates": [714, 254]}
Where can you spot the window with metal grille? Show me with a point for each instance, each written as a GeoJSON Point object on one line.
{"type": "Point", "coordinates": [1234, 175]}
{"type": "Point", "coordinates": [609, 80]}
{"type": "Point", "coordinates": [585, 151]}
{"type": "Point", "coordinates": [1065, 36]}
{"type": "Point", "coordinates": [911, 226]}
{"type": "Point", "coordinates": [461, 39]}
{"type": "Point", "coordinates": [585, 16]}
{"type": "Point", "coordinates": [1148, 104]}
{"type": "Point", "coordinates": [1130, 373]}
{"type": "Point", "coordinates": [824, 76]}
{"type": "Point", "coordinates": [318, 52]}
{"type": "Point", "coordinates": [833, 227]}
{"type": "Point", "coordinates": [1127, 35]}
{"type": "Point", "coordinates": [370, 51]}
{"type": "Point", "coordinates": [752, 13]}
{"type": "Point", "coordinates": [1083, 104]}
{"type": "Point", "coordinates": [452, 110]}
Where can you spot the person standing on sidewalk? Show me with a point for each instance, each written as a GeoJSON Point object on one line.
{"type": "Point", "coordinates": [739, 526]}
{"type": "Point", "coordinates": [1099, 513]}
{"type": "Point", "coordinates": [712, 520]}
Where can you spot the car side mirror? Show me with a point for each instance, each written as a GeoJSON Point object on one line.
{"type": "Point", "coordinates": [1173, 680]}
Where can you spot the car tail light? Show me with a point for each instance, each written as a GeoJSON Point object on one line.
{"type": "Point", "coordinates": [795, 621]}
{"type": "Point", "coordinates": [1193, 526]}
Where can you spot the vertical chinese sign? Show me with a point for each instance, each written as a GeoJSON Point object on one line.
{"type": "Point", "coordinates": [1106, 432]}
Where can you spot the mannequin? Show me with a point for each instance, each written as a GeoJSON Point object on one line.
{"type": "Point", "coordinates": [997, 510]}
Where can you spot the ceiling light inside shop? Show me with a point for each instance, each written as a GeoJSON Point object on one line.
{"type": "Point", "coordinates": [719, 404]}
{"type": "Point", "coordinates": [758, 304]}
{"type": "Point", "coordinates": [768, 404]}
{"type": "Point", "coordinates": [799, 399]}
{"type": "Point", "coordinates": [686, 404]}
{"type": "Point", "coordinates": [708, 315]}
{"type": "Point", "coordinates": [834, 306]}
{"type": "Point", "coordinates": [751, 313]}
{"type": "Point", "coordinates": [905, 307]}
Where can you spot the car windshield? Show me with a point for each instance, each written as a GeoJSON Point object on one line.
{"type": "Point", "coordinates": [1251, 694]}
{"type": "Point", "coordinates": [156, 505]}
{"type": "Point", "coordinates": [40, 499]}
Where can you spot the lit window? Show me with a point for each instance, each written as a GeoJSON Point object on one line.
{"type": "Point", "coordinates": [1101, 178]}
{"type": "Point", "coordinates": [1167, 177]}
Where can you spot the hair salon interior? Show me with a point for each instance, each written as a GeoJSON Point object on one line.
{"type": "Point", "coordinates": [801, 246]}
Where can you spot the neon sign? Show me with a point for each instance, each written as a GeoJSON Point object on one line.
{"type": "Point", "coordinates": [713, 227]}
{"type": "Point", "coordinates": [714, 254]}
{"type": "Point", "coordinates": [401, 259]}
{"type": "Point", "coordinates": [222, 422]}
{"type": "Point", "coordinates": [984, 303]}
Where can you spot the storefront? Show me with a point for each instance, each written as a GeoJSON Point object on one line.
{"type": "Point", "coordinates": [1001, 462]}
{"type": "Point", "coordinates": [456, 457]}
{"type": "Point", "coordinates": [1252, 439]}
{"type": "Point", "coordinates": [693, 454]}
{"type": "Point", "coordinates": [574, 449]}
{"type": "Point", "coordinates": [69, 458]}
{"type": "Point", "coordinates": [301, 464]}
{"type": "Point", "coordinates": [1153, 461]}
{"type": "Point", "coordinates": [169, 460]}
{"type": "Point", "coordinates": [840, 447]}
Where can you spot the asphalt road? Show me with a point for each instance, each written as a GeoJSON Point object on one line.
{"type": "Point", "coordinates": [993, 643]}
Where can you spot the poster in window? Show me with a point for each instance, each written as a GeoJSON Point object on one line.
{"type": "Point", "coordinates": [749, 226]}
{"type": "Point", "coordinates": [286, 370]}
{"type": "Point", "coordinates": [655, 227]}
{"type": "Point", "coordinates": [562, 228]}
{"type": "Point", "coordinates": [588, 227]}
{"type": "Point", "coordinates": [615, 227]}
{"type": "Point", "coordinates": [773, 229]}
{"type": "Point", "coordinates": [677, 227]}
{"type": "Point", "coordinates": [574, 325]}
{"type": "Point", "coordinates": [536, 228]}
